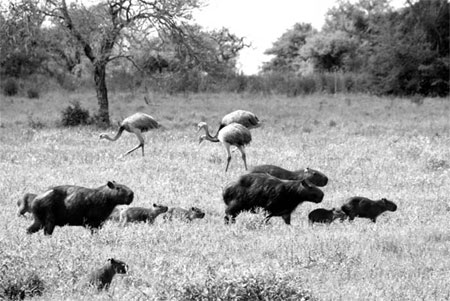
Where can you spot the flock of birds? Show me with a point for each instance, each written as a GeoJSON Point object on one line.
{"type": "Point", "coordinates": [234, 130]}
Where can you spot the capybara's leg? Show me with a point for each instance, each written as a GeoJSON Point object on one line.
{"type": "Point", "coordinates": [36, 226]}
{"type": "Point", "coordinates": [49, 224]}
{"type": "Point", "coordinates": [232, 211]}
{"type": "Point", "coordinates": [287, 218]}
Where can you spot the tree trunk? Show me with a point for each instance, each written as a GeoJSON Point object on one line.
{"type": "Point", "coordinates": [102, 93]}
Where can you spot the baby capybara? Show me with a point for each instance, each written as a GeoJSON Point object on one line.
{"type": "Point", "coordinates": [77, 206]}
{"type": "Point", "coordinates": [24, 203]}
{"type": "Point", "coordinates": [313, 176]}
{"type": "Point", "coordinates": [141, 214]}
{"type": "Point", "coordinates": [325, 216]}
{"type": "Point", "coordinates": [101, 278]}
{"type": "Point", "coordinates": [184, 214]}
{"type": "Point", "coordinates": [367, 208]}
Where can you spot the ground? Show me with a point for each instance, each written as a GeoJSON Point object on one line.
{"type": "Point", "coordinates": [366, 145]}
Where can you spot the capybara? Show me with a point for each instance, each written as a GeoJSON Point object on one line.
{"type": "Point", "coordinates": [141, 214]}
{"type": "Point", "coordinates": [363, 207]}
{"type": "Point", "coordinates": [77, 206]}
{"type": "Point", "coordinates": [24, 203]}
{"type": "Point", "coordinates": [184, 214]}
{"type": "Point", "coordinates": [326, 216]}
{"type": "Point", "coordinates": [102, 277]}
{"type": "Point", "coordinates": [277, 197]}
{"type": "Point", "coordinates": [313, 176]}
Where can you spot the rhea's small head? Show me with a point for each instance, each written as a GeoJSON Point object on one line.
{"type": "Point", "coordinates": [201, 125]}
{"type": "Point", "coordinates": [201, 139]}
{"type": "Point", "coordinates": [102, 136]}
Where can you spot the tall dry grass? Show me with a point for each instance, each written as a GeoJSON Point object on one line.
{"type": "Point", "coordinates": [369, 146]}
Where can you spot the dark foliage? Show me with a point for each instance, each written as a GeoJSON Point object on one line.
{"type": "Point", "coordinates": [74, 115]}
{"type": "Point", "coordinates": [10, 87]}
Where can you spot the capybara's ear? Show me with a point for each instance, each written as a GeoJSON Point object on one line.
{"type": "Point", "coordinates": [154, 205]}
{"type": "Point", "coordinates": [111, 184]}
{"type": "Point", "coordinates": [111, 260]}
{"type": "Point", "coordinates": [306, 170]}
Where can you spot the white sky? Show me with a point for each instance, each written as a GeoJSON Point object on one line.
{"type": "Point", "coordinates": [262, 22]}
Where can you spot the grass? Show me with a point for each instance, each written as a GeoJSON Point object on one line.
{"type": "Point", "coordinates": [368, 146]}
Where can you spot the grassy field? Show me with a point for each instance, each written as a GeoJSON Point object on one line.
{"type": "Point", "coordinates": [368, 146]}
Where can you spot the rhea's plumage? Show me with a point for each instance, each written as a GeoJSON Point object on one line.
{"type": "Point", "coordinates": [233, 134]}
{"type": "Point", "coordinates": [246, 118]}
{"type": "Point", "coordinates": [137, 124]}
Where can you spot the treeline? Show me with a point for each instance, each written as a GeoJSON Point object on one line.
{"type": "Point", "coordinates": [365, 46]}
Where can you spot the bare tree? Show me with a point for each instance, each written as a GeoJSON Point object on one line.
{"type": "Point", "coordinates": [101, 43]}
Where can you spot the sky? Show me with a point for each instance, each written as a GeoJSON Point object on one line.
{"type": "Point", "coordinates": [261, 22]}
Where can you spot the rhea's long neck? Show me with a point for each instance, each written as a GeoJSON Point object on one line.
{"type": "Point", "coordinates": [119, 133]}
{"type": "Point", "coordinates": [208, 135]}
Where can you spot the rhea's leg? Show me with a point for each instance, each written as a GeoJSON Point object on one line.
{"type": "Point", "coordinates": [241, 149]}
{"type": "Point", "coordinates": [227, 148]}
{"type": "Point", "coordinates": [141, 142]}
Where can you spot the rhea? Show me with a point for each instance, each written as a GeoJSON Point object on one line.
{"type": "Point", "coordinates": [233, 134]}
{"type": "Point", "coordinates": [246, 118]}
{"type": "Point", "coordinates": [137, 124]}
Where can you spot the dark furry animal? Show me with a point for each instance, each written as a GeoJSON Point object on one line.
{"type": "Point", "coordinates": [24, 203]}
{"type": "Point", "coordinates": [77, 206]}
{"type": "Point", "coordinates": [367, 208]}
{"type": "Point", "coordinates": [184, 214]}
{"type": "Point", "coordinates": [141, 214]}
{"type": "Point", "coordinates": [277, 197]}
{"type": "Point", "coordinates": [325, 216]}
{"type": "Point", "coordinates": [313, 176]}
{"type": "Point", "coordinates": [101, 278]}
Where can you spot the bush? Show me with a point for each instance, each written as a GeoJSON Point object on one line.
{"type": "Point", "coordinates": [11, 88]}
{"type": "Point", "coordinates": [33, 93]}
{"type": "Point", "coordinates": [75, 115]}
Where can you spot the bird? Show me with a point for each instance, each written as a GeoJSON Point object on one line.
{"type": "Point", "coordinates": [246, 118]}
{"type": "Point", "coordinates": [137, 124]}
{"type": "Point", "coordinates": [232, 134]}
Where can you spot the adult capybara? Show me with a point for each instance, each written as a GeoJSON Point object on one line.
{"type": "Point", "coordinates": [277, 197]}
{"type": "Point", "coordinates": [141, 214]}
{"type": "Point", "coordinates": [363, 207]}
{"type": "Point", "coordinates": [184, 214]}
{"type": "Point", "coordinates": [313, 176]}
{"type": "Point", "coordinates": [24, 203]}
{"type": "Point", "coordinates": [101, 278]}
{"type": "Point", "coordinates": [77, 206]}
{"type": "Point", "coordinates": [326, 216]}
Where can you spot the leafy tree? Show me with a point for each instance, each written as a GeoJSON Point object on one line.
{"type": "Point", "coordinates": [286, 49]}
{"type": "Point", "coordinates": [329, 51]}
{"type": "Point", "coordinates": [100, 30]}
{"type": "Point", "coordinates": [22, 50]}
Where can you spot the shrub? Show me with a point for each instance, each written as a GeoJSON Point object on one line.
{"type": "Point", "coordinates": [75, 115]}
{"type": "Point", "coordinates": [33, 93]}
{"type": "Point", "coordinates": [11, 88]}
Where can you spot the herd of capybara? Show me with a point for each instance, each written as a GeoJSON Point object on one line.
{"type": "Point", "coordinates": [273, 189]}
